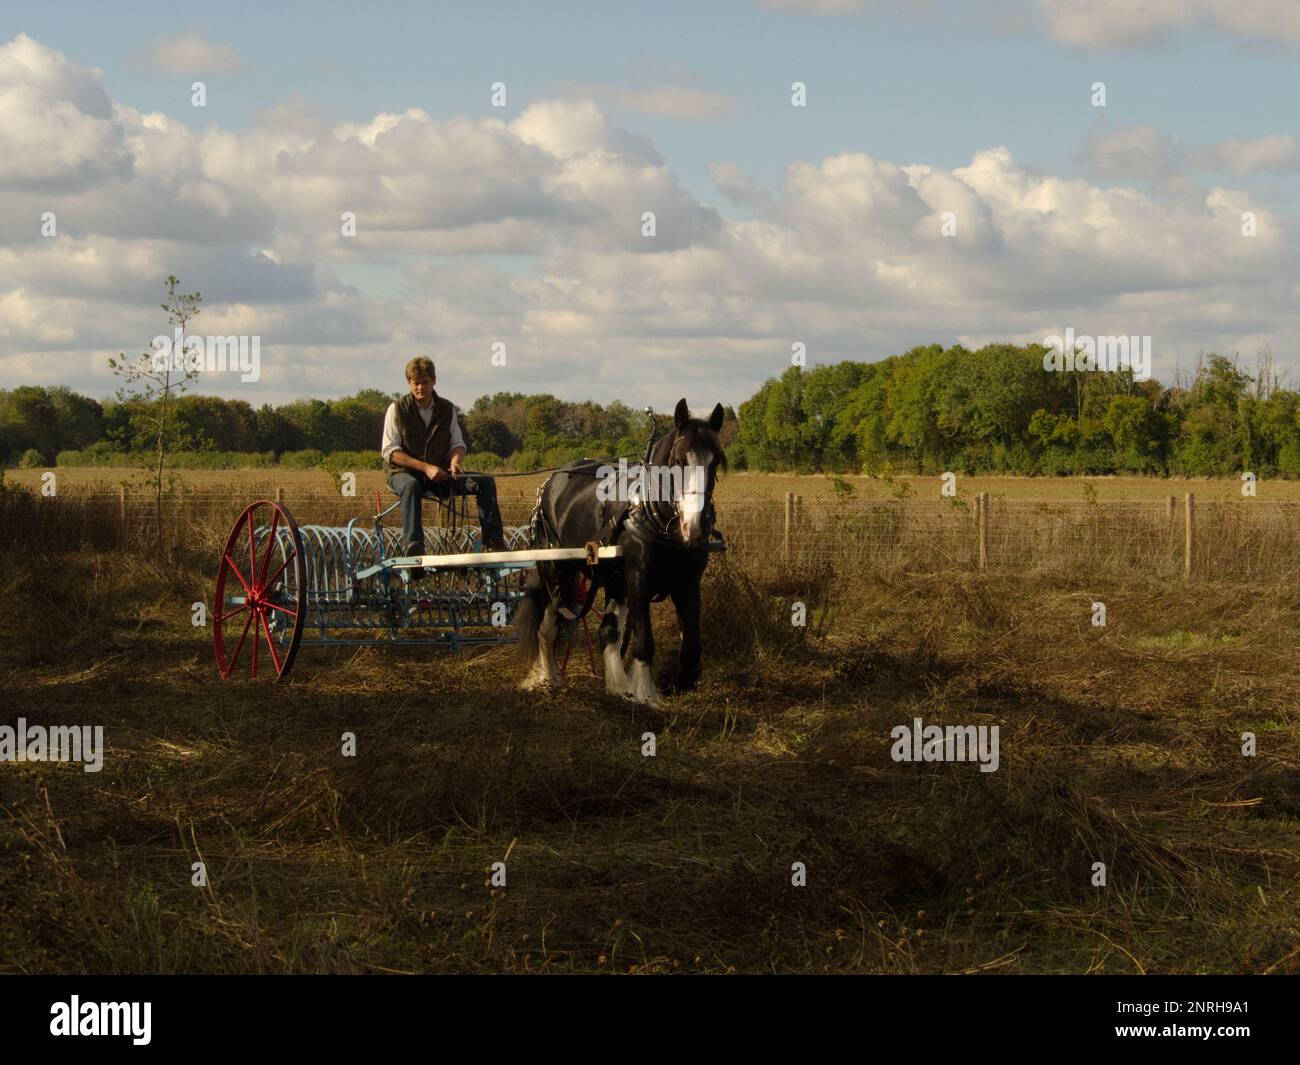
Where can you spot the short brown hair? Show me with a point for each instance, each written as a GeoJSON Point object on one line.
{"type": "Point", "coordinates": [418, 367]}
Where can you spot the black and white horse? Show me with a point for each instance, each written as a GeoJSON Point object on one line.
{"type": "Point", "coordinates": [663, 535]}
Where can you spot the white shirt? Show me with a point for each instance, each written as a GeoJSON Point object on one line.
{"type": "Point", "coordinates": [393, 437]}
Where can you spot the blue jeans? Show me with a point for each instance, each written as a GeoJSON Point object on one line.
{"type": "Point", "coordinates": [410, 488]}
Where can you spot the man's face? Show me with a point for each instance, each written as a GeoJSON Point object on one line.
{"type": "Point", "coordinates": [422, 389]}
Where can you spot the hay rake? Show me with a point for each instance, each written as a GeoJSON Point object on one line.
{"type": "Point", "coordinates": [349, 585]}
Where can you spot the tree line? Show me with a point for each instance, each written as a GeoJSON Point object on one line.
{"type": "Point", "coordinates": [46, 426]}
{"type": "Point", "coordinates": [994, 410]}
{"type": "Point", "coordinates": [997, 410]}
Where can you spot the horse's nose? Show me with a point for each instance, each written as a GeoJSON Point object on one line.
{"type": "Point", "coordinates": [693, 530]}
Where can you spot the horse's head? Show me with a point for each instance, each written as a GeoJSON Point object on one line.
{"type": "Point", "coordinates": [693, 447]}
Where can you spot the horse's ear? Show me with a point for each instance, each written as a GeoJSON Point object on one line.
{"type": "Point", "coordinates": [715, 419]}
{"type": "Point", "coordinates": [682, 414]}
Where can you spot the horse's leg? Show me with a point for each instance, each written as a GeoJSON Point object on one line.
{"type": "Point", "coordinates": [687, 603]}
{"type": "Point", "coordinates": [642, 686]}
{"type": "Point", "coordinates": [544, 673]}
{"type": "Point", "coordinates": [612, 625]}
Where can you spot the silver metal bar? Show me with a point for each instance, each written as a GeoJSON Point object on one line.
{"type": "Point", "coordinates": [486, 559]}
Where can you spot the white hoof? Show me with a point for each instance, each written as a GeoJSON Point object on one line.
{"type": "Point", "coordinates": [539, 679]}
{"type": "Point", "coordinates": [616, 682]}
{"type": "Point", "coordinates": [641, 686]}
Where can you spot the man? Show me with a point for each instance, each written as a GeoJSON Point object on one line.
{"type": "Point", "coordinates": [422, 448]}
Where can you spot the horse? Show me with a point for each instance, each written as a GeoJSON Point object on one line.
{"type": "Point", "coordinates": [664, 552]}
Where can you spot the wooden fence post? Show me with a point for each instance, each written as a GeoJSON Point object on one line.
{"type": "Point", "coordinates": [279, 494]}
{"type": "Point", "coordinates": [789, 519]}
{"type": "Point", "coordinates": [1171, 522]}
{"type": "Point", "coordinates": [1189, 540]}
{"type": "Point", "coordinates": [982, 529]}
{"type": "Point", "coordinates": [121, 510]}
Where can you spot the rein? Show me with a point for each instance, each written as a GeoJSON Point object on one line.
{"type": "Point", "coordinates": [533, 473]}
{"type": "Point", "coordinates": [645, 460]}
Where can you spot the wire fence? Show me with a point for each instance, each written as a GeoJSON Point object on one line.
{"type": "Point", "coordinates": [1246, 539]}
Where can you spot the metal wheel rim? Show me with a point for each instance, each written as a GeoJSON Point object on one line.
{"type": "Point", "coordinates": [264, 610]}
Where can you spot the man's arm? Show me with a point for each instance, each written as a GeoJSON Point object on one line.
{"type": "Point", "coordinates": [401, 458]}
{"type": "Point", "coordinates": [458, 448]}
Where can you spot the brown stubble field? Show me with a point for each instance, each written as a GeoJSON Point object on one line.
{"type": "Point", "coordinates": [1119, 744]}
{"type": "Point", "coordinates": [736, 486]}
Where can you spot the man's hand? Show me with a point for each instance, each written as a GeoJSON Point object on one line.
{"type": "Point", "coordinates": [455, 464]}
{"type": "Point", "coordinates": [435, 473]}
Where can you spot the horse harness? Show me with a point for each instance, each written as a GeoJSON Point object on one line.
{"type": "Point", "coordinates": [640, 518]}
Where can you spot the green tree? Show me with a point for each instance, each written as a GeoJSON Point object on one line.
{"type": "Point", "coordinates": [1137, 432]}
{"type": "Point", "coordinates": [274, 432]}
{"type": "Point", "coordinates": [80, 419]}
{"type": "Point", "coordinates": [29, 421]}
{"type": "Point", "coordinates": [1213, 437]}
{"type": "Point", "coordinates": [485, 433]}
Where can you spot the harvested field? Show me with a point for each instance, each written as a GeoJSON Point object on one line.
{"type": "Point", "coordinates": [1119, 744]}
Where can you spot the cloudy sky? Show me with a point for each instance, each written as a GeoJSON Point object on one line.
{"type": "Point", "coordinates": [522, 224]}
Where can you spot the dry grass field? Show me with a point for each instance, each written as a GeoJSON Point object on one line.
{"type": "Point", "coordinates": [732, 486]}
{"type": "Point", "coordinates": [1120, 744]}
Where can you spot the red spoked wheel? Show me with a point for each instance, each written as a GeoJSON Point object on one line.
{"type": "Point", "coordinates": [261, 591]}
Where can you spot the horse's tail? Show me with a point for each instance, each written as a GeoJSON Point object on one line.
{"type": "Point", "coordinates": [532, 608]}
{"type": "Point", "coordinates": [528, 617]}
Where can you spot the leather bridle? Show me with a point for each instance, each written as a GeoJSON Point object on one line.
{"type": "Point", "coordinates": [658, 521]}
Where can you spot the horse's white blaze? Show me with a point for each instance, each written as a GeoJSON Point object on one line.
{"type": "Point", "coordinates": [695, 486]}
{"type": "Point", "coordinates": [544, 673]}
{"type": "Point", "coordinates": [615, 674]}
{"type": "Point", "coordinates": [642, 688]}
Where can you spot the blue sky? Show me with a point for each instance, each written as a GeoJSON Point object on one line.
{"type": "Point", "coordinates": [898, 83]}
